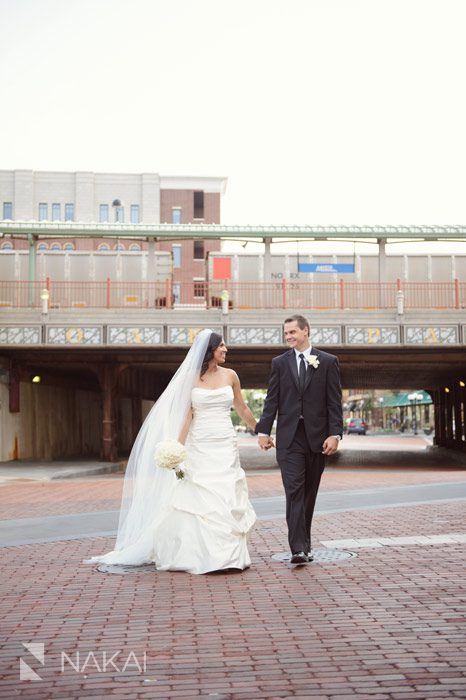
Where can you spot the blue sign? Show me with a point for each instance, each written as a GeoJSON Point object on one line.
{"type": "Point", "coordinates": [326, 267]}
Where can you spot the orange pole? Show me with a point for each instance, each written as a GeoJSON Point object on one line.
{"type": "Point", "coordinates": [168, 293]}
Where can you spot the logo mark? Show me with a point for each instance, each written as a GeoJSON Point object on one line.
{"type": "Point", "coordinates": [25, 671]}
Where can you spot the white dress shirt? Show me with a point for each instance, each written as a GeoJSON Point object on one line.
{"type": "Point", "coordinates": [306, 353]}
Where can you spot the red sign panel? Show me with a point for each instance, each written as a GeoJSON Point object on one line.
{"type": "Point", "coordinates": [221, 269]}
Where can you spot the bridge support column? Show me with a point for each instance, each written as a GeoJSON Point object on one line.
{"type": "Point", "coordinates": [267, 260]}
{"type": "Point", "coordinates": [14, 390]}
{"type": "Point", "coordinates": [462, 393]}
{"type": "Point", "coordinates": [108, 377]}
{"type": "Point", "coordinates": [136, 416]}
{"type": "Point", "coordinates": [382, 270]}
{"type": "Point", "coordinates": [151, 274]}
{"type": "Point", "coordinates": [440, 417]}
{"type": "Point", "coordinates": [449, 418]}
{"type": "Point", "coordinates": [450, 414]}
{"type": "Point", "coordinates": [31, 268]}
{"type": "Point", "coordinates": [459, 411]}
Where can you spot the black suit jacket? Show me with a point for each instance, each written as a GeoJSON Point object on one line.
{"type": "Point", "coordinates": [319, 403]}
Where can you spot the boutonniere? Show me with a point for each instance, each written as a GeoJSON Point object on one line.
{"type": "Point", "coordinates": [313, 361]}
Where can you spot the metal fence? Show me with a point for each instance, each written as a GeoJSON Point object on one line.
{"type": "Point", "coordinates": [241, 295]}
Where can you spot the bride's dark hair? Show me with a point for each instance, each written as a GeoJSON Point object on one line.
{"type": "Point", "coordinates": [214, 341]}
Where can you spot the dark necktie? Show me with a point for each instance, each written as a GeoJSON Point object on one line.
{"type": "Point", "coordinates": [302, 372]}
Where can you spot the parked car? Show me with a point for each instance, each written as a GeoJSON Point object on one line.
{"type": "Point", "coordinates": [358, 426]}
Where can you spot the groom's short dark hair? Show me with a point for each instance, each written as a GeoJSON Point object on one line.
{"type": "Point", "coordinates": [300, 320]}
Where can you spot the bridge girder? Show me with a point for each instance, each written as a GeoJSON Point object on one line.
{"type": "Point", "coordinates": [145, 371]}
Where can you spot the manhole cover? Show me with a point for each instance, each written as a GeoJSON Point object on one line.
{"type": "Point", "coordinates": [124, 569]}
{"type": "Point", "coordinates": [320, 555]}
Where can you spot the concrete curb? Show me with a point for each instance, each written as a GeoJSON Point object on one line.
{"type": "Point", "coordinates": [33, 471]}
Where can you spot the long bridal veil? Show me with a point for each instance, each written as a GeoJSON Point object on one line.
{"type": "Point", "coordinates": [148, 489]}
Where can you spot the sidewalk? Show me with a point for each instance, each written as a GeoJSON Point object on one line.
{"type": "Point", "coordinates": [28, 470]}
{"type": "Point", "coordinates": [388, 623]}
{"type": "Point", "coordinates": [357, 451]}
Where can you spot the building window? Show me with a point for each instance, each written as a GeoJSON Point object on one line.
{"type": "Point", "coordinates": [198, 250]}
{"type": "Point", "coordinates": [199, 288]}
{"type": "Point", "coordinates": [103, 247]}
{"type": "Point", "coordinates": [176, 290]}
{"type": "Point", "coordinates": [176, 215]}
{"type": "Point", "coordinates": [56, 212]}
{"type": "Point", "coordinates": [135, 246]}
{"type": "Point", "coordinates": [176, 250]}
{"type": "Point", "coordinates": [103, 213]}
{"type": "Point", "coordinates": [69, 212]}
{"type": "Point", "coordinates": [199, 205]}
{"type": "Point", "coordinates": [8, 210]}
{"type": "Point", "coordinates": [119, 215]}
{"type": "Point", "coordinates": [68, 246]}
{"type": "Point", "coordinates": [7, 246]}
{"type": "Point", "coordinates": [55, 246]}
{"type": "Point", "coordinates": [119, 246]}
{"type": "Point", "coordinates": [43, 211]}
{"type": "Point", "coordinates": [42, 246]}
{"type": "Point", "coordinates": [134, 213]}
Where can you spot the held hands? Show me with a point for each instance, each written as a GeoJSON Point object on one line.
{"type": "Point", "coordinates": [265, 442]}
{"type": "Point", "coordinates": [330, 446]}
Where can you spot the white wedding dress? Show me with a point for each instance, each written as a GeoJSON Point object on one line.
{"type": "Point", "coordinates": [205, 520]}
{"type": "Point", "coordinates": [207, 525]}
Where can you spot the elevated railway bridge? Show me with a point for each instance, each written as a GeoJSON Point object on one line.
{"type": "Point", "coordinates": [77, 381]}
{"type": "Point", "coordinates": [97, 371]}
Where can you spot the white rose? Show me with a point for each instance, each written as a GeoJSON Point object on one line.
{"type": "Point", "coordinates": [169, 454]}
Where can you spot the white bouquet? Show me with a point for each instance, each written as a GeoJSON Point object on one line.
{"type": "Point", "coordinates": [169, 454]}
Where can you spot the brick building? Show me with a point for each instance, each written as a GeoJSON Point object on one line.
{"type": "Point", "coordinates": [146, 198]}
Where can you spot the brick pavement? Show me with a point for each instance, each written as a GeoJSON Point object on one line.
{"type": "Point", "coordinates": [32, 499]}
{"type": "Point", "coordinates": [389, 624]}
{"type": "Point", "coordinates": [335, 479]}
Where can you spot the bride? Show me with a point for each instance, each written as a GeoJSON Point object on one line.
{"type": "Point", "coordinates": [199, 523]}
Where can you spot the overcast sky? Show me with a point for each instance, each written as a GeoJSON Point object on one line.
{"type": "Point", "coordinates": [318, 112]}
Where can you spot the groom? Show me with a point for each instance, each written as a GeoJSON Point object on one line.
{"type": "Point", "coordinates": [304, 389]}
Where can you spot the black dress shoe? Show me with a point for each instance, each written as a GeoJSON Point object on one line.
{"type": "Point", "coordinates": [299, 558]}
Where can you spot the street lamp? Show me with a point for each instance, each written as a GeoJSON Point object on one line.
{"type": "Point", "coordinates": [225, 297]}
{"type": "Point", "coordinates": [44, 300]}
{"type": "Point", "coordinates": [380, 400]}
{"type": "Point", "coordinates": [414, 398]}
{"type": "Point", "coordinates": [400, 302]}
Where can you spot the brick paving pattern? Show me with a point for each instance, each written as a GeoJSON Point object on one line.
{"type": "Point", "coordinates": [32, 499]}
{"type": "Point", "coordinates": [387, 624]}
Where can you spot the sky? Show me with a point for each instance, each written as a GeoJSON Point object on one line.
{"type": "Point", "coordinates": [325, 112]}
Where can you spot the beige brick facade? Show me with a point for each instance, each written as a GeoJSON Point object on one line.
{"type": "Point", "coordinates": [152, 194]}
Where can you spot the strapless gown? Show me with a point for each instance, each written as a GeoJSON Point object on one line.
{"type": "Point", "coordinates": [210, 518]}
